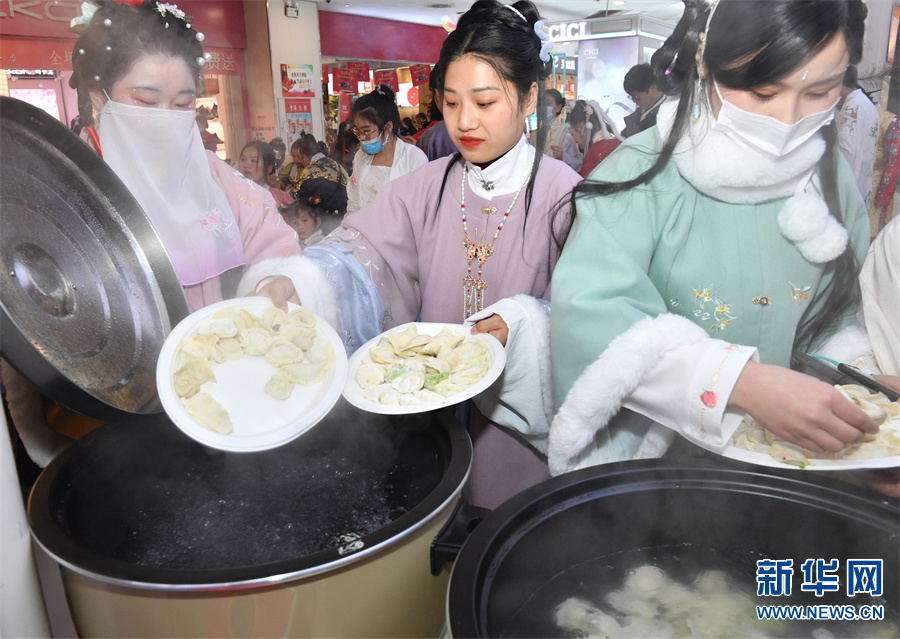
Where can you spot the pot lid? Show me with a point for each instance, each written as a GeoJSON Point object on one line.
{"type": "Point", "coordinates": [87, 291]}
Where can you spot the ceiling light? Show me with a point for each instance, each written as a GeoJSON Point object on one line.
{"type": "Point", "coordinates": [438, 5]}
{"type": "Point", "coordinates": [618, 3]}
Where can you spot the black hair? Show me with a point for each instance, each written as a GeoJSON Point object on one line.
{"type": "Point", "coordinates": [497, 35]}
{"type": "Point", "coordinates": [266, 154]}
{"type": "Point", "coordinates": [309, 146]}
{"type": "Point", "coordinates": [296, 144]}
{"type": "Point", "coordinates": [378, 107]}
{"type": "Point", "coordinates": [557, 97]}
{"type": "Point", "coordinates": [579, 114]}
{"type": "Point", "coordinates": [747, 48]}
{"type": "Point", "coordinates": [638, 78]}
{"type": "Point", "coordinates": [117, 36]}
{"type": "Point", "coordinates": [851, 77]}
{"type": "Point", "coordinates": [294, 208]}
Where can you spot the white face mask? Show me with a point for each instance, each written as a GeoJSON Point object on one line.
{"type": "Point", "coordinates": [765, 133]}
{"type": "Point", "coordinates": [159, 156]}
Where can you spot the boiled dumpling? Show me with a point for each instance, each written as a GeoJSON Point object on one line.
{"type": "Point", "coordinates": [283, 352]}
{"type": "Point", "coordinates": [409, 399]}
{"type": "Point", "coordinates": [221, 327]}
{"type": "Point", "coordinates": [409, 382]}
{"type": "Point", "coordinates": [227, 349]}
{"type": "Point", "coordinates": [303, 338]}
{"type": "Point", "coordinates": [198, 345]}
{"type": "Point", "coordinates": [302, 317]}
{"type": "Point", "coordinates": [208, 412]}
{"type": "Point", "coordinates": [279, 386]}
{"type": "Point", "coordinates": [383, 355]}
{"type": "Point", "coordinates": [194, 373]}
{"type": "Point", "coordinates": [303, 373]}
{"type": "Point", "coordinates": [427, 396]}
{"type": "Point", "coordinates": [320, 352]}
{"type": "Point", "coordinates": [369, 375]}
{"type": "Point", "coordinates": [390, 397]}
{"type": "Point", "coordinates": [241, 318]}
{"type": "Point", "coordinates": [255, 341]}
{"type": "Point", "coordinates": [274, 319]}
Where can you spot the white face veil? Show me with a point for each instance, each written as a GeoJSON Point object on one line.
{"type": "Point", "coordinates": [159, 156]}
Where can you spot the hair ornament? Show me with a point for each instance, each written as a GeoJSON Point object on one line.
{"type": "Point", "coordinates": [516, 11]}
{"type": "Point", "coordinates": [80, 23]}
{"type": "Point", "coordinates": [201, 60]}
{"type": "Point", "coordinates": [107, 22]}
{"type": "Point", "coordinates": [207, 56]}
{"type": "Point", "coordinates": [96, 78]}
{"type": "Point", "coordinates": [541, 30]}
{"type": "Point", "coordinates": [379, 90]}
{"type": "Point", "coordinates": [200, 37]}
{"type": "Point", "coordinates": [448, 24]}
{"type": "Point", "coordinates": [187, 25]}
{"type": "Point", "coordinates": [163, 8]}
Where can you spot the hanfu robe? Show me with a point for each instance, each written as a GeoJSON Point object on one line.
{"type": "Point", "coordinates": [674, 291]}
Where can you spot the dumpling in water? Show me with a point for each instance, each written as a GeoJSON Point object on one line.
{"type": "Point", "coordinates": [208, 412]}
{"type": "Point", "coordinates": [255, 341]}
{"type": "Point", "coordinates": [227, 349]}
{"type": "Point", "coordinates": [279, 386]}
{"type": "Point", "coordinates": [302, 317]}
{"type": "Point", "coordinates": [188, 379]}
{"type": "Point", "coordinates": [283, 352]}
{"type": "Point", "coordinates": [303, 373]}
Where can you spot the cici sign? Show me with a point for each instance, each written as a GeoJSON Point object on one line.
{"type": "Point", "coordinates": [567, 31]}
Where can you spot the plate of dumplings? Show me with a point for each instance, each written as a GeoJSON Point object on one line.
{"type": "Point", "coordinates": [420, 366]}
{"type": "Point", "coordinates": [243, 375]}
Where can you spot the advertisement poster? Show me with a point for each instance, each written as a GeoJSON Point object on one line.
{"type": "Point", "coordinates": [342, 80]}
{"type": "Point", "coordinates": [420, 73]}
{"type": "Point", "coordinates": [389, 78]}
{"type": "Point", "coordinates": [297, 80]}
{"type": "Point", "coordinates": [262, 126]}
{"type": "Point", "coordinates": [298, 115]}
{"type": "Point", "coordinates": [360, 69]}
{"type": "Point", "coordinates": [602, 65]}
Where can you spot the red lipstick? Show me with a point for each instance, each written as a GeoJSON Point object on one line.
{"type": "Point", "coordinates": [470, 143]}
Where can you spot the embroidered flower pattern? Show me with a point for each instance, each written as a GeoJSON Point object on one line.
{"type": "Point", "coordinates": [721, 315]}
{"type": "Point", "coordinates": [799, 293]}
{"type": "Point", "coordinates": [213, 224]}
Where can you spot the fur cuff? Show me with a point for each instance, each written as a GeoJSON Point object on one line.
{"type": "Point", "coordinates": [309, 282]}
{"type": "Point", "coordinates": [540, 330]}
{"type": "Point", "coordinates": [847, 346]}
{"type": "Point", "coordinates": [599, 392]}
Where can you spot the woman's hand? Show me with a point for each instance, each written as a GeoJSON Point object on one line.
{"type": "Point", "coordinates": [281, 290]}
{"type": "Point", "coordinates": [799, 408]}
{"type": "Point", "coordinates": [556, 150]}
{"type": "Point", "coordinates": [891, 381]}
{"type": "Point", "coordinates": [493, 325]}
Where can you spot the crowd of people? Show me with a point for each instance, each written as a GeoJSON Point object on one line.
{"type": "Point", "coordinates": [688, 256]}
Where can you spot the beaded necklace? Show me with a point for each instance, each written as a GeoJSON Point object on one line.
{"type": "Point", "coordinates": [474, 286]}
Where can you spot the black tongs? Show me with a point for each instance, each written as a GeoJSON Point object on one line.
{"type": "Point", "coordinates": [819, 368]}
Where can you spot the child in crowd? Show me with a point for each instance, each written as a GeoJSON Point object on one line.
{"type": "Point", "coordinates": [306, 222]}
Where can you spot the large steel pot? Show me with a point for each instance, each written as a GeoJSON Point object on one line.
{"type": "Point", "coordinates": [328, 535]}
{"type": "Point", "coordinates": [579, 534]}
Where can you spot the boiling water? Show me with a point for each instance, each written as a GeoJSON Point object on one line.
{"type": "Point", "coordinates": [593, 581]}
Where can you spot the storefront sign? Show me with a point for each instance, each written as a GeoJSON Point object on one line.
{"type": "Point", "coordinates": [361, 69]}
{"type": "Point", "coordinates": [342, 81]}
{"type": "Point", "coordinates": [388, 77]}
{"type": "Point", "coordinates": [297, 80]}
{"type": "Point", "coordinates": [262, 126]}
{"type": "Point", "coordinates": [565, 63]}
{"type": "Point", "coordinates": [567, 31]}
{"type": "Point", "coordinates": [419, 73]}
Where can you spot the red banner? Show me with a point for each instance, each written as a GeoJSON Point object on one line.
{"type": "Point", "coordinates": [56, 55]}
{"type": "Point", "coordinates": [389, 78]}
{"type": "Point", "coordinates": [324, 74]}
{"type": "Point", "coordinates": [345, 103]}
{"type": "Point", "coordinates": [420, 73]}
{"type": "Point", "coordinates": [342, 81]}
{"type": "Point", "coordinates": [361, 69]}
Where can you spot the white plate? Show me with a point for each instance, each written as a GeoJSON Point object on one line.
{"type": "Point", "coordinates": [354, 394]}
{"type": "Point", "coordinates": [765, 459]}
{"type": "Point", "coordinates": [260, 421]}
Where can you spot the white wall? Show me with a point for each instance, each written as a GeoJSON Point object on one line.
{"type": "Point", "coordinates": [296, 41]}
{"type": "Point", "coordinates": [878, 25]}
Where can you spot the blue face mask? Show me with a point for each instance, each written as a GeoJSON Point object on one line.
{"type": "Point", "coordinates": [550, 114]}
{"type": "Point", "coordinates": [373, 147]}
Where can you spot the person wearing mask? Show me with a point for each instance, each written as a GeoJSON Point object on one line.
{"type": "Point", "coordinates": [556, 128]}
{"type": "Point", "coordinates": [857, 124]}
{"type": "Point", "coordinates": [472, 238]}
{"type": "Point", "coordinates": [642, 90]}
{"type": "Point", "coordinates": [382, 156]}
{"type": "Point", "coordinates": [257, 163]}
{"type": "Point", "coordinates": [707, 249]}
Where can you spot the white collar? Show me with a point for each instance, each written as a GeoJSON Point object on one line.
{"type": "Point", "coordinates": [644, 114]}
{"type": "Point", "coordinates": [719, 166]}
{"type": "Point", "coordinates": [505, 175]}
{"type": "Point", "coordinates": [316, 157]}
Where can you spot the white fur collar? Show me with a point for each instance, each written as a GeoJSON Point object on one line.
{"type": "Point", "coordinates": [505, 175]}
{"type": "Point", "coordinates": [724, 168]}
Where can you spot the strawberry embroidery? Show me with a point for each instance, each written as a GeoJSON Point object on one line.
{"type": "Point", "coordinates": [708, 398]}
